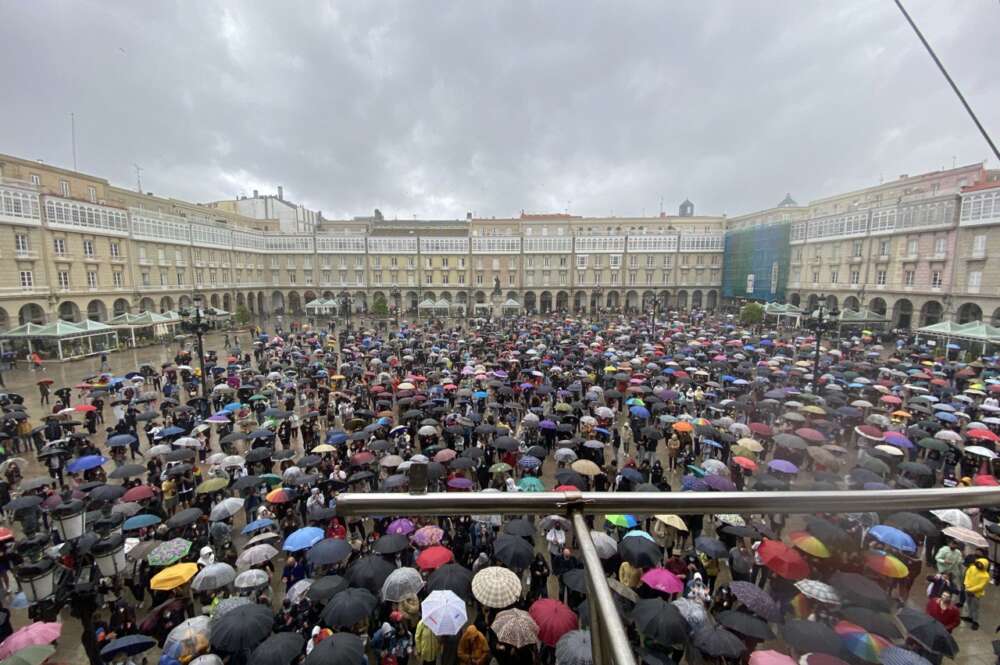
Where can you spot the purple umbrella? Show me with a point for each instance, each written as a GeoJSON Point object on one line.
{"type": "Point", "coordinates": [693, 484]}
{"type": "Point", "coordinates": [898, 440]}
{"type": "Point", "coordinates": [460, 484]}
{"type": "Point", "coordinates": [783, 465]}
{"type": "Point", "coordinates": [547, 424]}
{"type": "Point", "coordinates": [402, 526]}
{"type": "Point", "coordinates": [720, 483]}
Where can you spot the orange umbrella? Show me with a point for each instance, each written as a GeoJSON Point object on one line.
{"type": "Point", "coordinates": [683, 427]}
{"type": "Point", "coordinates": [809, 544]}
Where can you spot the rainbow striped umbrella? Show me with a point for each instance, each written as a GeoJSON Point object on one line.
{"type": "Point", "coordinates": [866, 646]}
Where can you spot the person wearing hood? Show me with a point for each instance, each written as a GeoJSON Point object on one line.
{"type": "Point", "coordinates": [206, 557]}
{"type": "Point", "coordinates": [977, 577]}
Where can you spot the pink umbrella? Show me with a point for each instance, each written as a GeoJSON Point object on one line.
{"type": "Point", "coordinates": [29, 636]}
{"type": "Point", "coordinates": [427, 535]}
{"type": "Point", "coordinates": [663, 580]}
{"type": "Point", "coordinates": [770, 657]}
{"type": "Point", "coordinates": [553, 618]}
{"type": "Point", "coordinates": [809, 434]}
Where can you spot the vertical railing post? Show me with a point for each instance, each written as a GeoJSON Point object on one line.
{"type": "Point", "coordinates": [608, 638]}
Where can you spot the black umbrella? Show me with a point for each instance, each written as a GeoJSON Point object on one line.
{"type": "Point", "coordinates": [860, 589]}
{"type": "Point", "coordinates": [338, 649]}
{"type": "Point", "coordinates": [369, 573]}
{"type": "Point", "coordinates": [714, 640]}
{"type": "Point", "coordinates": [130, 645]}
{"type": "Point", "coordinates": [127, 471]}
{"type": "Point", "coordinates": [348, 607]}
{"type": "Point", "coordinates": [451, 577]}
{"type": "Point", "coordinates": [246, 482]}
{"type": "Point", "coordinates": [810, 636]}
{"type": "Point", "coordinates": [872, 621]}
{"type": "Point", "coordinates": [713, 547]}
{"type": "Point", "coordinates": [258, 454]}
{"type": "Point", "coordinates": [659, 621]}
{"type": "Point", "coordinates": [323, 589]}
{"type": "Point", "coordinates": [928, 632]}
{"type": "Point", "coordinates": [830, 534]}
{"type": "Point", "coordinates": [575, 580]}
{"type": "Point", "coordinates": [241, 628]}
{"type": "Point", "coordinates": [519, 527]}
{"type": "Point", "coordinates": [513, 551]}
{"type": "Point", "coordinates": [184, 518]}
{"type": "Point", "coordinates": [106, 493]}
{"type": "Point", "coordinates": [571, 477]}
{"type": "Point", "coordinates": [179, 455]}
{"type": "Point", "coordinates": [23, 502]}
{"type": "Point", "coordinates": [640, 552]}
{"type": "Point", "coordinates": [912, 523]}
{"type": "Point", "coordinates": [391, 543]}
{"type": "Point", "coordinates": [178, 470]}
{"type": "Point", "coordinates": [745, 624]}
{"type": "Point", "coordinates": [278, 649]}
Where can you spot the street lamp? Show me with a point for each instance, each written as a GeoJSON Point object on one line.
{"type": "Point", "coordinates": [596, 297]}
{"type": "Point", "coordinates": [194, 324]}
{"type": "Point", "coordinates": [68, 519]}
{"type": "Point", "coordinates": [346, 301]}
{"type": "Point", "coordinates": [660, 302]}
{"type": "Point", "coordinates": [109, 553]}
{"type": "Point", "coordinates": [395, 295]}
{"type": "Point", "coordinates": [820, 322]}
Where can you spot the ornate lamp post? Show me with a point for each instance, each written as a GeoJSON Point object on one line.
{"type": "Point", "coordinates": [346, 302]}
{"type": "Point", "coordinates": [596, 296]}
{"type": "Point", "coordinates": [395, 295]}
{"type": "Point", "coordinates": [194, 324]}
{"type": "Point", "coordinates": [819, 322]}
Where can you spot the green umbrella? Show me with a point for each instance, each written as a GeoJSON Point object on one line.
{"type": "Point", "coordinates": [531, 484]}
{"type": "Point", "coordinates": [933, 444]}
{"type": "Point", "coordinates": [500, 467]}
{"type": "Point", "coordinates": [271, 479]}
{"type": "Point", "coordinates": [34, 655]}
{"type": "Point", "coordinates": [212, 485]}
{"type": "Point", "coordinates": [169, 552]}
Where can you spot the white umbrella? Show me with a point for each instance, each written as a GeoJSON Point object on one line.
{"type": "Point", "coordinates": [233, 460]}
{"type": "Point", "coordinates": [159, 449]}
{"type": "Point", "coordinates": [401, 583]}
{"type": "Point", "coordinates": [213, 576]}
{"type": "Point", "coordinates": [980, 451]}
{"type": "Point", "coordinates": [189, 442]}
{"type": "Point", "coordinates": [953, 516]}
{"type": "Point", "coordinates": [965, 535]}
{"type": "Point", "coordinates": [226, 509]}
{"type": "Point", "coordinates": [565, 455]}
{"type": "Point", "coordinates": [252, 578]}
{"type": "Point", "coordinates": [443, 612]}
{"type": "Point", "coordinates": [255, 556]}
{"type": "Point", "coordinates": [299, 590]}
{"type": "Point", "coordinates": [605, 545]}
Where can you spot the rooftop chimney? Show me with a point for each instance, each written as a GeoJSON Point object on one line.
{"type": "Point", "coordinates": [468, 215]}
{"type": "Point", "coordinates": [281, 193]}
{"type": "Point", "coordinates": [255, 193]}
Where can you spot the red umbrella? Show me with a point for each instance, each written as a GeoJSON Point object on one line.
{"type": "Point", "coordinates": [982, 434]}
{"type": "Point", "coordinates": [434, 557]}
{"type": "Point", "coordinates": [364, 457]}
{"type": "Point", "coordinates": [85, 407]}
{"type": "Point", "coordinates": [810, 434]}
{"type": "Point", "coordinates": [138, 493]}
{"type": "Point", "coordinates": [553, 618]}
{"type": "Point", "coordinates": [783, 560]}
{"type": "Point", "coordinates": [760, 429]}
{"type": "Point", "coordinates": [985, 480]}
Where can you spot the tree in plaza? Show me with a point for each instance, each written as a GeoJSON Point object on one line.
{"type": "Point", "coordinates": [752, 314]}
{"type": "Point", "coordinates": [242, 315]}
{"type": "Point", "coordinates": [379, 305]}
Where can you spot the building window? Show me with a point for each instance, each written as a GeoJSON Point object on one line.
{"type": "Point", "coordinates": [815, 276]}
{"type": "Point", "coordinates": [940, 244]}
{"type": "Point", "coordinates": [856, 248]}
{"type": "Point", "coordinates": [834, 276]}
{"type": "Point", "coordinates": [88, 248]}
{"type": "Point", "coordinates": [59, 246]}
{"type": "Point", "coordinates": [118, 279]}
{"type": "Point", "coordinates": [63, 279]}
{"type": "Point", "coordinates": [975, 280]}
{"type": "Point", "coordinates": [615, 261]}
{"type": "Point", "coordinates": [21, 244]}
{"type": "Point", "coordinates": [911, 247]}
{"type": "Point", "coordinates": [92, 193]}
{"type": "Point", "coordinates": [64, 187]}
{"type": "Point", "coordinates": [36, 179]}
{"type": "Point", "coordinates": [855, 277]}
{"type": "Point", "coordinates": [979, 245]}
{"type": "Point", "coordinates": [180, 278]}
{"type": "Point", "coordinates": [880, 277]}
{"type": "Point", "coordinates": [292, 277]}
{"type": "Point", "coordinates": [883, 248]}
{"type": "Point", "coordinates": [27, 279]}
{"type": "Point", "coordinates": [936, 279]}
{"type": "Point", "coordinates": [909, 277]}
{"type": "Point", "coordinates": [145, 279]}
{"type": "Point", "coordinates": [91, 279]}
{"type": "Point", "coordinates": [116, 251]}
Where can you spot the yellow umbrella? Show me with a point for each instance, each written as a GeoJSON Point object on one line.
{"type": "Point", "coordinates": [673, 520]}
{"type": "Point", "coordinates": [818, 410]}
{"type": "Point", "coordinates": [323, 448]}
{"type": "Point", "coordinates": [173, 577]}
{"type": "Point", "coordinates": [586, 467]}
{"type": "Point", "coordinates": [751, 444]}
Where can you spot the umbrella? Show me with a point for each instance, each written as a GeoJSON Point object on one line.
{"type": "Point", "coordinates": [860, 589]}
{"type": "Point", "coordinates": [554, 619]}
{"type": "Point", "coordinates": [278, 649]}
{"type": "Point", "coordinates": [328, 552]}
{"type": "Point", "coordinates": [953, 516]}
{"type": "Point", "coordinates": [434, 557]}
{"type": "Point", "coordinates": [660, 621]}
{"type": "Point", "coordinates": [401, 582]}
{"type": "Point", "coordinates": [338, 649]}
{"type": "Point", "coordinates": [809, 636]}
{"type": "Point", "coordinates": [213, 576]}
{"type": "Point", "coordinates": [640, 552]}
{"type": "Point", "coordinates": [452, 577]}
{"type": "Point", "coordinates": [783, 560]}
{"type": "Point", "coordinates": [516, 628]}
{"type": "Point", "coordinates": [756, 600]}
{"type": "Point", "coordinates": [428, 535]}
{"type": "Point", "coordinates": [860, 642]}
{"type": "Point", "coordinates": [255, 556]}
{"type": "Point", "coordinates": [770, 657]}
{"type": "Point", "coordinates": [692, 611]}
{"type": "Point", "coordinates": [130, 645]}
{"type": "Point", "coordinates": [715, 641]}
{"type": "Point", "coordinates": [189, 638]}
{"type": "Point", "coordinates": [173, 577]}
{"type": "Point", "coordinates": [893, 537]}
{"type": "Point", "coordinates": [443, 612]}
{"type": "Point", "coordinates": [662, 580]}
{"type": "Point", "coordinates": [899, 656]}
{"type": "Point", "coordinates": [496, 587]}
{"type": "Point", "coordinates": [513, 551]}
{"type": "Point", "coordinates": [33, 655]}
{"type": "Point", "coordinates": [820, 591]}
{"type": "Point", "coordinates": [323, 589]}
{"type": "Point", "coordinates": [251, 579]}
{"type": "Point", "coordinates": [574, 648]}
{"type": "Point", "coordinates": [391, 544]}
{"type": "Point", "coordinates": [303, 538]}
{"type": "Point", "coordinates": [712, 547]}
{"type": "Point", "coordinates": [369, 573]}
{"type": "Point", "coordinates": [34, 634]}
{"type": "Point", "coordinates": [873, 621]}
{"type": "Point", "coordinates": [912, 523]}
{"type": "Point", "coordinates": [140, 522]}
{"type": "Point", "coordinates": [348, 607]}
{"type": "Point", "coordinates": [226, 509]}
{"type": "Point", "coordinates": [241, 628]}
{"type": "Point", "coordinates": [965, 535]}
{"type": "Point", "coordinates": [169, 552]}
{"type": "Point", "coordinates": [928, 632]}
{"type": "Point", "coordinates": [184, 518]}
{"type": "Point", "coordinates": [745, 624]}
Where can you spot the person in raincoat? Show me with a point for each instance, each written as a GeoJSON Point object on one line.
{"type": "Point", "coordinates": [949, 560]}
{"type": "Point", "coordinates": [977, 577]}
{"type": "Point", "coordinates": [427, 646]}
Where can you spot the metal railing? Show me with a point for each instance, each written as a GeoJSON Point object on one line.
{"type": "Point", "coordinates": [609, 638]}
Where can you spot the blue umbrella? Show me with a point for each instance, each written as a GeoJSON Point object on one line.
{"type": "Point", "coordinates": [85, 463]}
{"type": "Point", "coordinates": [130, 645]}
{"type": "Point", "coordinates": [639, 412]}
{"type": "Point", "coordinates": [334, 437]}
{"type": "Point", "coordinates": [479, 394]}
{"type": "Point", "coordinates": [529, 462]}
{"type": "Point", "coordinates": [119, 440]}
{"type": "Point", "coordinates": [173, 430]}
{"type": "Point", "coordinates": [257, 525]}
{"type": "Point", "coordinates": [893, 537]}
{"type": "Point", "coordinates": [946, 417]}
{"type": "Point", "coordinates": [303, 539]}
{"type": "Point", "coordinates": [232, 406]}
{"type": "Point", "coordinates": [140, 522]}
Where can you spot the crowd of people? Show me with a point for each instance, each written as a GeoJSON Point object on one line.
{"type": "Point", "coordinates": [226, 502]}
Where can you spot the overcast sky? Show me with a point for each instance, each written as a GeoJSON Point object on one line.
{"type": "Point", "coordinates": [438, 108]}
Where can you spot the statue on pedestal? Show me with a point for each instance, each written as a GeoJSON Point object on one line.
{"type": "Point", "coordinates": [496, 297]}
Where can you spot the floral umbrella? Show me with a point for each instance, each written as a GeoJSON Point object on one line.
{"type": "Point", "coordinates": [169, 552]}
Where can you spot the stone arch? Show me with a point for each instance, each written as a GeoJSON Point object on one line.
{"type": "Point", "coordinates": [147, 305]}
{"type": "Point", "coordinates": [878, 306]}
{"type": "Point", "coordinates": [121, 306]}
{"type": "Point", "coordinates": [850, 302]}
{"type": "Point", "coordinates": [308, 297]}
{"type": "Point", "coordinates": [328, 295]}
{"type": "Point", "coordinates": [902, 313]}
{"type": "Point", "coordinates": [479, 297]}
{"type": "Point", "coordinates": [545, 302]}
{"type": "Point", "coordinates": [529, 301]}
{"type": "Point", "coordinates": [812, 304]}
{"type": "Point", "coordinates": [69, 311]}
{"type": "Point", "coordinates": [713, 300]}
{"type": "Point", "coordinates": [166, 304]}
{"type": "Point", "coordinates": [277, 302]}
{"type": "Point", "coordinates": [4, 319]}
{"type": "Point", "coordinates": [970, 311]}
{"type": "Point", "coordinates": [360, 302]}
{"type": "Point", "coordinates": [261, 309]}
{"type": "Point", "coordinates": [632, 299]}
{"type": "Point", "coordinates": [227, 302]}
{"type": "Point", "coordinates": [579, 300]}
{"type": "Point", "coordinates": [831, 302]}
{"type": "Point", "coordinates": [932, 312]}
{"type": "Point", "coordinates": [411, 301]}
{"type": "Point", "coordinates": [795, 299]}
{"type": "Point", "coordinates": [98, 311]}
{"type": "Point", "coordinates": [512, 295]}
{"type": "Point", "coordinates": [648, 300]}
{"type": "Point", "coordinates": [562, 301]}
{"type": "Point", "coordinates": [682, 299]}
{"type": "Point", "coordinates": [213, 301]}
{"type": "Point", "coordinates": [614, 300]}
{"type": "Point", "coordinates": [595, 301]}
{"type": "Point", "coordinates": [31, 313]}
{"type": "Point", "coordinates": [184, 302]}
{"type": "Point", "coordinates": [696, 301]}
{"type": "Point", "coordinates": [241, 300]}
{"type": "Point", "coordinates": [995, 319]}
{"type": "Point", "coordinates": [294, 302]}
